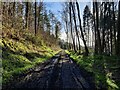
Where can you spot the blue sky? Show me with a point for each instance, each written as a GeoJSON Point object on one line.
{"type": "Point", "coordinates": [56, 8]}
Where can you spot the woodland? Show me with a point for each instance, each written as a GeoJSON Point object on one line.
{"type": "Point", "coordinates": [30, 36]}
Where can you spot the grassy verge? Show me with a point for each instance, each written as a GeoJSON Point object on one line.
{"type": "Point", "coordinates": [20, 53]}
{"type": "Point", "coordinates": [105, 69]}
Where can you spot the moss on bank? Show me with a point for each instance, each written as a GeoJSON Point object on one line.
{"type": "Point", "coordinates": [105, 69]}
{"type": "Point", "coordinates": [21, 52]}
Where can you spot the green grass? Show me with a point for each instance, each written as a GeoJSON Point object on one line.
{"type": "Point", "coordinates": [21, 54]}
{"type": "Point", "coordinates": [103, 67]}
{"type": "Point", "coordinates": [12, 68]}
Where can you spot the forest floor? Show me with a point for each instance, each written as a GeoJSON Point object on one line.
{"type": "Point", "coordinates": [21, 52]}
{"type": "Point", "coordinates": [105, 69]}
{"type": "Point", "coordinates": [59, 72]}
{"type": "Point", "coordinates": [29, 62]}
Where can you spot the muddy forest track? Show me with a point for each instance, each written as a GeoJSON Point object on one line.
{"type": "Point", "coordinates": [60, 72]}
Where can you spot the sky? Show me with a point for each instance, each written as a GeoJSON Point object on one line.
{"type": "Point", "coordinates": [56, 8]}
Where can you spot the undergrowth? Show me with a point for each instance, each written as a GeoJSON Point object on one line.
{"type": "Point", "coordinates": [21, 51]}
{"type": "Point", "coordinates": [105, 69]}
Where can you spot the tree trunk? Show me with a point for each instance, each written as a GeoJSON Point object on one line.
{"type": "Point", "coordinates": [111, 35]}
{"type": "Point", "coordinates": [71, 27]}
{"type": "Point", "coordinates": [73, 9]}
{"type": "Point", "coordinates": [114, 28]}
{"type": "Point", "coordinates": [35, 17]}
{"type": "Point", "coordinates": [86, 49]}
{"type": "Point", "coordinates": [13, 16]}
{"type": "Point", "coordinates": [97, 28]}
{"type": "Point", "coordinates": [96, 47]}
{"type": "Point", "coordinates": [26, 16]}
{"type": "Point", "coordinates": [118, 32]}
{"type": "Point", "coordinates": [103, 31]}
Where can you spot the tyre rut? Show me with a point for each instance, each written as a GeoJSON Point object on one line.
{"type": "Point", "coordinates": [59, 72]}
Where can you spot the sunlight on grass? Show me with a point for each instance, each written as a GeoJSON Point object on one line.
{"type": "Point", "coordinates": [67, 51]}
{"type": "Point", "coordinates": [99, 65]}
{"type": "Point", "coordinates": [19, 56]}
{"type": "Point", "coordinates": [112, 84]}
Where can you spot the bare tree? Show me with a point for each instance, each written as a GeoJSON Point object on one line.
{"type": "Point", "coordinates": [70, 14]}
{"type": "Point", "coordinates": [74, 17]}
{"type": "Point", "coordinates": [86, 49]}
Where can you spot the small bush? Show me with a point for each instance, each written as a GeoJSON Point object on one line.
{"type": "Point", "coordinates": [34, 39]}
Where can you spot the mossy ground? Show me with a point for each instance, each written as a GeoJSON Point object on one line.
{"type": "Point", "coordinates": [105, 69]}
{"type": "Point", "coordinates": [21, 52]}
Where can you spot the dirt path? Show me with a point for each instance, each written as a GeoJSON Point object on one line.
{"type": "Point", "coordinates": [58, 73]}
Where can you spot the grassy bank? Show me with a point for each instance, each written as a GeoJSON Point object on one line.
{"type": "Point", "coordinates": [105, 69]}
{"type": "Point", "coordinates": [21, 52]}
